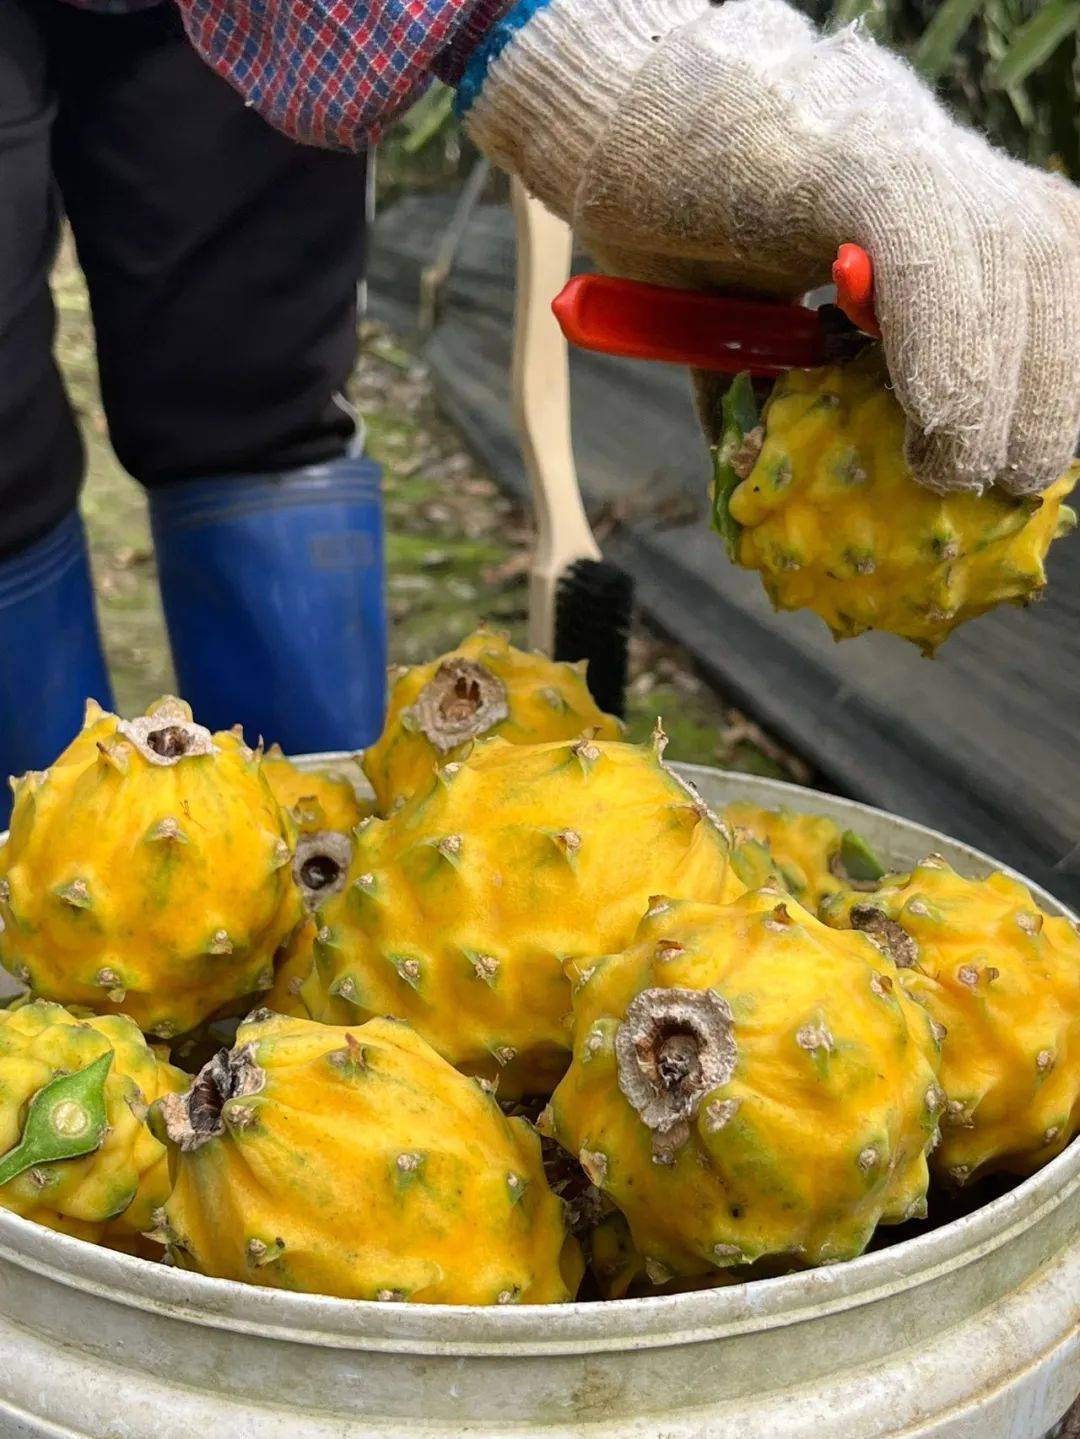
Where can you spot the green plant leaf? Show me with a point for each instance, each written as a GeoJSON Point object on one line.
{"type": "Point", "coordinates": [753, 862]}
{"type": "Point", "coordinates": [934, 52]}
{"type": "Point", "coordinates": [1035, 41]}
{"type": "Point", "coordinates": [426, 118]}
{"type": "Point", "coordinates": [1021, 103]}
{"type": "Point", "coordinates": [738, 416]}
{"type": "Point", "coordinates": [1059, 84]}
{"type": "Point", "coordinates": [874, 15]}
{"type": "Point", "coordinates": [997, 28]}
{"type": "Point", "coordinates": [65, 1119]}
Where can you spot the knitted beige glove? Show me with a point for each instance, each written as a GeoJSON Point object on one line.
{"type": "Point", "coordinates": [699, 144]}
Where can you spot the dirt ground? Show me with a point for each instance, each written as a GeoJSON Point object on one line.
{"type": "Point", "coordinates": [457, 551]}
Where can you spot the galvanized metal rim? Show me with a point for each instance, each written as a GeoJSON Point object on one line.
{"type": "Point", "coordinates": [542, 1330]}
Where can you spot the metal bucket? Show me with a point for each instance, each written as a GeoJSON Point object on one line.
{"type": "Point", "coordinates": [968, 1331]}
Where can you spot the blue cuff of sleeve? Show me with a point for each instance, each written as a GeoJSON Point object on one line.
{"type": "Point", "coordinates": [489, 50]}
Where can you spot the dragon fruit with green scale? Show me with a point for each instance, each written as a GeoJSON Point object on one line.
{"type": "Point", "coordinates": [747, 1085]}
{"type": "Point", "coordinates": [462, 909]}
{"type": "Point", "coordinates": [148, 872]}
{"type": "Point", "coordinates": [76, 1153]}
{"type": "Point", "coordinates": [484, 687]}
{"type": "Point", "coordinates": [1001, 980]}
{"type": "Point", "coordinates": [355, 1162]}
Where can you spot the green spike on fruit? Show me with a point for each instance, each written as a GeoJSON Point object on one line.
{"type": "Point", "coordinates": [65, 1107]}
{"type": "Point", "coordinates": [167, 831]}
{"type": "Point", "coordinates": [739, 419]}
{"type": "Point", "coordinates": [76, 894]}
{"type": "Point", "coordinates": [66, 1119]}
{"type": "Point", "coordinates": [859, 861]}
{"type": "Point", "coordinates": [752, 861]}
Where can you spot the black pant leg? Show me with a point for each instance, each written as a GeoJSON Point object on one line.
{"type": "Point", "coordinates": [222, 259]}
{"type": "Point", "coordinates": [40, 450]}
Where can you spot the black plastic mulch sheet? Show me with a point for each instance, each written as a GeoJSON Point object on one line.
{"type": "Point", "coordinates": [979, 743]}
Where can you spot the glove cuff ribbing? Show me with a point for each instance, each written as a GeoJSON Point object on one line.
{"type": "Point", "coordinates": [555, 70]}
{"type": "Point", "coordinates": [482, 17]}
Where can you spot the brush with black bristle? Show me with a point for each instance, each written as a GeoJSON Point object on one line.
{"type": "Point", "coordinates": [579, 604]}
{"type": "Point", "coordinates": [594, 602]}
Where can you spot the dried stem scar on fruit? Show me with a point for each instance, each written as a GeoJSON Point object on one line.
{"type": "Point", "coordinates": [673, 1048]}
{"type": "Point", "coordinates": [168, 734]}
{"type": "Point", "coordinates": [320, 865]}
{"type": "Point", "coordinates": [462, 701]}
{"type": "Point", "coordinates": [193, 1118]}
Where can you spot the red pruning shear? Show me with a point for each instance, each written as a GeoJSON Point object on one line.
{"type": "Point", "coordinates": [711, 332]}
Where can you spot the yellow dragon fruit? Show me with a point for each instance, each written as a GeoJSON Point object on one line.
{"type": "Point", "coordinates": [484, 687]}
{"type": "Point", "coordinates": [747, 1083]}
{"type": "Point", "coordinates": [619, 1270]}
{"type": "Point", "coordinates": [818, 498]}
{"type": "Point", "coordinates": [147, 872]}
{"type": "Point", "coordinates": [461, 910]}
{"type": "Point", "coordinates": [295, 963]}
{"type": "Point", "coordinates": [320, 869]}
{"type": "Point", "coordinates": [809, 853]}
{"type": "Point", "coordinates": [615, 1269]}
{"type": "Point", "coordinates": [317, 799]}
{"type": "Point", "coordinates": [325, 808]}
{"type": "Point", "coordinates": [356, 1162]}
{"type": "Point", "coordinates": [1002, 981]}
{"type": "Point", "coordinates": [75, 1150]}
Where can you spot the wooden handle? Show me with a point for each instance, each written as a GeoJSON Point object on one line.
{"type": "Point", "coordinates": [540, 392]}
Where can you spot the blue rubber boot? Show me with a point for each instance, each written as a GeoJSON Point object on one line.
{"type": "Point", "coordinates": [51, 659]}
{"type": "Point", "coordinates": [273, 594]}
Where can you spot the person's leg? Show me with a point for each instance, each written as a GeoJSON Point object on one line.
{"type": "Point", "coordinates": [223, 263]}
{"type": "Point", "coordinates": [50, 653]}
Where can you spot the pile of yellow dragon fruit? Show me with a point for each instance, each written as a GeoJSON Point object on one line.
{"type": "Point", "coordinates": [534, 1024]}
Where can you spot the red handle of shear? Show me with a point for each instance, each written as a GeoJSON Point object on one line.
{"type": "Point", "coordinates": [710, 332]}
{"type": "Point", "coordinates": [853, 276]}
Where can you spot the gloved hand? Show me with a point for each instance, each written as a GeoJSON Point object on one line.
{"type": "Point", "coordinates": [698, 144]}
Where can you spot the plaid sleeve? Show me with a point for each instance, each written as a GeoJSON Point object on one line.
{"type": "Point", "coordinates": [114, 7]}
{"type": "Point", "coordinates": [334, 72]}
